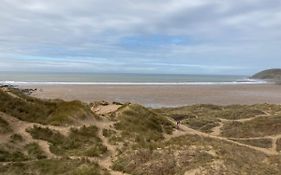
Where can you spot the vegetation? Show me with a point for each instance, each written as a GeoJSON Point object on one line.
{"type": "Point", "coordinates": [34, 151]}
{"type": "Point", "coordinates": [142, 125]}
{"type": "Point", "coordinates": [53, 167]}
{"type": "Point", "coordinates": [41, 111]}
{"type": "Point", "coordinates": [268, 74]}
{"type": "Point", "coordinates": [108, 132]}
{"type": "Point", "coordinates": [186, 153]}
{"type": "Point", "coordinates": [259, 127]}
{"type": "Point", "coordinates": [263, 143]}
{"type": "Point", "coordinates": [235, 112]}
{"type": "Point", "coordinates": [16, 138]}
{"type": "Point", "coordinates": [7, 155]}
{"type": "Point", "coordinates": [141, 140]}
{"type": "Point", "coordinates": [80, 142]}
{"type": "Point", "coordinates": [4, 126]}
{"type": "Point", "coordinates": [204, 124]}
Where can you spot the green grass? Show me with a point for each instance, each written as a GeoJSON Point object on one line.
{"type": "Point", "coordinates": [4, 126]}
{"type": "Point", "coordinates": [141, 124]}
{"type": "Point", "coordinates": [259, 127]}
{"type": "Point", "coordinates": [42, 111]}
{"type": "Point", "coordinates": [80, 142]}
{"type": "Point", "coordinates": [54, 167]}
{"type": "Point", "coordinates": [67, 112]}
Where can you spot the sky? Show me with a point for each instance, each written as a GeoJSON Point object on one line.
{"type": "Point", "coordinates": [140, 36]}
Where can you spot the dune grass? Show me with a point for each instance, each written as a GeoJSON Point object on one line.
{"type": "Point", "coordinates": [189, 152]}
{"type": "Point", "coordinates": [259, 127]}
{"type": "Point", "coordinates": [16, 138]}
{"type": "Point", "coordinates": [199, 117]}
{"type": "Point", "coordinates": [53, 167]}
{"type": "Point", "coordinates": [34, 151]}
{"type": "Point", "coordinates": [8, 155]}
{"type": "Point", "coordinates": [31, 109]}
{"type": "Point", "coordinates": [142, 125]}
{"type": "Point", "coordinates": [263, 143]}
{"type": "Point", "coordinates": [235, 112]}
{"type": "Point", "coordinates": [80, 142]}
{"type": "Point", "coordinates": [4, 126]}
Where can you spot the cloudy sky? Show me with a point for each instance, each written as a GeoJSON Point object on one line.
{"type": "Point", "coordinates": [140, 36]}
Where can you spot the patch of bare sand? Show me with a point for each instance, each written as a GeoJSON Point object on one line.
{"type": "Point", "coordinates": [105, 109]}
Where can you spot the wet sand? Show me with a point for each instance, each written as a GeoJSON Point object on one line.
{"type": "Point", "coordinates": [158, 96]}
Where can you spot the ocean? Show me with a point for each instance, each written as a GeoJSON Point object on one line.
{"type": "Point", "coordinates": [22, 78]}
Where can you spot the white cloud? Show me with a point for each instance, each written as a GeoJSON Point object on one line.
{"type": "Point", "coordinates": [224, 30]}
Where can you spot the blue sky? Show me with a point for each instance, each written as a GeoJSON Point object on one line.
{"type": "Point", "coordinates": [148, 36]}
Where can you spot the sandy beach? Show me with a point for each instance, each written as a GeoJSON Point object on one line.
{"type": "Point", "coordinates": [159, 96]}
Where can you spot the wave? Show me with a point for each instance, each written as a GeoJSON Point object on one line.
{"type": "Point", "coordinates": [244, 81]}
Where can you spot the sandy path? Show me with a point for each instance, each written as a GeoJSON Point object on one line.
{"type": "Point", "coordinates": [274, 138]}
{"type": "Point", "coordinates": [19, 127]}
{"type": "Point", "coordinates": [186, 130]}
{"type": "Point", "coordinates": [216, 131]}
{"type": "Point", "coordinates": [107, 161]}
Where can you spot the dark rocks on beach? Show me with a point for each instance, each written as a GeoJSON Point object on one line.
{"type": "Point", "coordinates": [117, 103]}
{"type": "Point", "coordinates": [28, 91]}
{"type": "Point", "coordinates": [7, 86]}
{"type": "Point", "coordinates": [25, 91]}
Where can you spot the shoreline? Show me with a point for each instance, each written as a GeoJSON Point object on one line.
{"type": "Point", "coordinates": [163, 95]}
{"type": "Point", "coordinates": [160, 83]}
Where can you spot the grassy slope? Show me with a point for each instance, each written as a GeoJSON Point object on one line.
{"type": "Point", "coordinates": [142, 125]}
{"type": "Point", "coordinates": [190, 152]}
{"type": "Point", "coordinates": [28, 158]}
{"type": "Point", "coordinates": [40, 111]}
{"type": "Point", "coordinates": [206, 117]}
{"type": "Point", "coordinates": [80, 142]}
{"type": "Point", "coordinates": [258, 127]}
{"type": "Point", "coordinates": [54, 167]}
{"type": "Point", "coordinates": [268, 74]}
{"type": "Point", "coordinates": [4, 126]}
{"type": "Point", "coordinates": [263, 143]}
{"type": "Point", "coordinates": [143, 131]}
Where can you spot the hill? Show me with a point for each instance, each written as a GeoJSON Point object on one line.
{"type": "Point", "coordinates": [270, 74]}
{"type": "Point", "coordinates": [58, 137]}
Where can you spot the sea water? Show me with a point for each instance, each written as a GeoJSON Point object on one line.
{"type": "Point", "coordinates": [19, 78]}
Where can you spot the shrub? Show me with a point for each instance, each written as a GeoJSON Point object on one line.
{"type": "Point", "coordinates": [31, 109]}
{"type": "Point", "coordinates": [141, 124]}
{"type": "Point", "coordinates": [80, 142]}
{"type": "Point", "coordinates": [4, 126]}
{"type": "Point", "coordinates": [16, 138]}
{"type": "Point", "coordinates": [34, 151]}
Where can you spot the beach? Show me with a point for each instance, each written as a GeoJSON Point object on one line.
{"type": "Point", "coordinates": [163, 95]}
